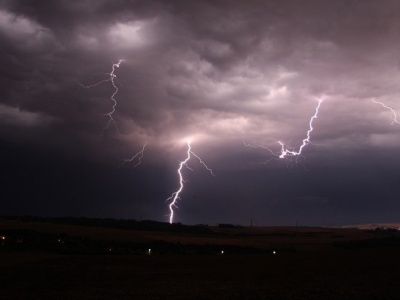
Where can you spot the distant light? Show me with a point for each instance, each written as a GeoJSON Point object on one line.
{"type": "Point", "coordinates": [222, 252]}
{"type": "Point", "coordinates": [3, 237]}
{"type": "Point", "coordinates": [149, 251]}
{"type": "Point", "coordinates": [274, 252]}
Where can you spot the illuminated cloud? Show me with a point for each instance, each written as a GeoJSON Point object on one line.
{"type": "Point", "coordinates": [221, 72]}
{"type": "Point", "coordinates": [17, 117]}
{"type": "Point", "coordinates": [24, 31]}
{"type": "Point", "coordinates": [128, 35]}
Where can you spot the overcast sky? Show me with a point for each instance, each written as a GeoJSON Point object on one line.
{"type": "Point", "coordinates": [221, 73]}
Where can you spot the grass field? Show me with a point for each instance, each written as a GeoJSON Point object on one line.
{"type": "Point", "coordinates": [315, 270]}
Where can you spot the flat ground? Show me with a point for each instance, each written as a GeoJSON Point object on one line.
{"type": "Point", "coordinates": [322, 272]}
{"type": "Point", "coordinates": [348, 274]}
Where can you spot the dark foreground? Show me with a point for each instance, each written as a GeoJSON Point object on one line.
{"type": "Point", "coordinates": [337, 274]}
{"type": "Point", "coordinates": [109, 259]}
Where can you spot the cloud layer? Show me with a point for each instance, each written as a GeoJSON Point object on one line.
{"type": "Point", "coordinates": [220, 73]}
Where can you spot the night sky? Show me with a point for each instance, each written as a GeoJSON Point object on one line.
{"type": "Point", "coordinates": [221, 73]}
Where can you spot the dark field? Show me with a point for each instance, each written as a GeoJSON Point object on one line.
{"type": "Point", "coordinates": [365, 265]}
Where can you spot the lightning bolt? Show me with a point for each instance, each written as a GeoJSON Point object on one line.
{"type": "Point", "coordinates": [262, 147]}
{"type": "Point", "coordinates": [138, 155]}
{"type": "Point", "coordinates": [112, 79]}
{"type": "Point", "coordinates": [175, 196]}
{"type": "Point", "coordinates": [391, 109]}
{"type": "Point", "coordinates": [285, 151]}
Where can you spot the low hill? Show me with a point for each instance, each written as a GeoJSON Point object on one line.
{"type": "Point", "coordinates": [75, 235]}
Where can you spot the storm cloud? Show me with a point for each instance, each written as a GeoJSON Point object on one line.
{"type": "Point", "coordinates": [220, 73]}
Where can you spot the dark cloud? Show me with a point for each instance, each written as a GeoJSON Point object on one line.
{"type": "Point", "coordinates": [218, 72]}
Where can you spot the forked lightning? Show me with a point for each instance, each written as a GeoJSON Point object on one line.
{"type": "Point", "coordinates": [394, 121]}
{"type": "Point", "coordinates": [175, 196]}
{"type": "Point", "coordinates": [287, 152]}
{"type": "Point", "coordinates": [138, 156]}
{"type": "Point", "coordinates": [112, 78]}
{"type": "Point", "coordinates": [113, 100]}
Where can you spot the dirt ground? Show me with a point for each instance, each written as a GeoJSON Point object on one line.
{"type": "Point", "coordinates": [337, 274]}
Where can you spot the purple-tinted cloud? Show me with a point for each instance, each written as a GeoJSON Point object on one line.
{"type": "Point", "coordinates": [219, 72]}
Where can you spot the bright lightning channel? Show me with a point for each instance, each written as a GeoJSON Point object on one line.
{"type": "Point", "coordinates": [112, 79]}
{"type": "Point", "coordinates": [285, 151]}
{"type": "Point", "coordinates": [175, 196]}
{"type": "Point", "coordinates": [138, 156]}
{"type": "Point", "coordinates": [391, 109]}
